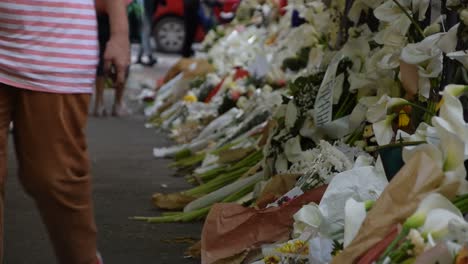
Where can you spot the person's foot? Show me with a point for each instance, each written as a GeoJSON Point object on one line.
{"type": "Point", "coordinates": [100, 111]}
{"type": "Point", "coordinates": [149, 61]}
{"type": "Point", "coordinates": [120, 110]}
{"type": "Point", "coordinates": [99, 259]}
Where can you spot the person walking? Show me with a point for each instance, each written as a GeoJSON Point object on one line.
{"type": "Point", "coordinates": [191, 21]}
{"type": "Point", "coordinates": [145, 56]}
{"type": "Point", "coordinates": [48, 59]}
{"type": "Point", "coordinates": [105, 74]}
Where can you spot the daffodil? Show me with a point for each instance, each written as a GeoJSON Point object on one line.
{"type": "Point", "coordinates": [355, 213]}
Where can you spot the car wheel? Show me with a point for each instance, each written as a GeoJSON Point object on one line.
{"type": "Point", "coordinates": [169, 34]}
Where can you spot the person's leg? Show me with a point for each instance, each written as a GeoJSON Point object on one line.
{"type": "Point", "coordinates": [6, 102]}
{"type": "Point", "coordinates": [99, 109]}
{"type": "Point", "coordinates": [119, 108]}
{"type": "Point", "coordinates": [104, 36]}
{"type": "Point", "coordinates": [54, 169]}
{"type": "Point", "coordinates": [146, 49]}
{"type": "Point", "coordinates": [191, 25]}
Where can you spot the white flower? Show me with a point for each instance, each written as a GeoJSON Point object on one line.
{"type": "Point", "coordinates": [391, 13]}
{"type": "Point", "coordinates": [291, 114]}
{"type": "Point", "coordinates": [391, 37]}
{"type": "Point", "coordinates": [362, 5]}
{"type": "Point", "coordinates": [455, 89]}
{"type": "Point", "coordinates": [458, 230]}
{"type": "Point", "coordinates": [383, 130]}
{"type": "Point", "coordinates": [309, 216]}
{"type": "Point", "coordinates": [437, 222]}
{"type": "Point", "coordinates": [417, 240]}
{"type": "Point", "coordinates": [447, 155]}
{"type": "Point", "coordinates": [429, 59]}
{"type": "Point", "coordinates": [464, 16]}
{"type": "Point", "coordinates": [420, 6]}
{"type": "Point", "coordinates": [355, 213]}
{"type": "Point", "coordinates": [433, 201]}
{"type": "Point", "coordinates": [383, 107]}
{"type": "Point", "coordinates": [451, 116]}
{"type": "Point", "coordinates": [357, 51]}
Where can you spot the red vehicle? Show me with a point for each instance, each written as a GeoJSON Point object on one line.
{"type": "Point", "coordinates": [168, 22]}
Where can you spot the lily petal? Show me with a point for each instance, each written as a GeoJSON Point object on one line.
{"type": "Point", "coordinates": [384, 131]}
{"type": "Point", "coordinates": [437, 222]}
{"type": "Point", "coordinates": [437, 201]}
{"type": "Point", "coordinates": [379, 110]}
{"type": "Point", "coordinates": [355, 213]}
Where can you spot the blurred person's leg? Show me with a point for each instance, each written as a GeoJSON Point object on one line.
{"type": "Point", "coordinates": [54, 169]}
{"type": "Point", "coordinates": [191, 24]}
{"type": "Point", "coordinates": [119, 108]}
{"type": "Point", "coordinates": [6, 106]}
{"type": "Point", "coordinates": [104, 36]}
{"type": "Point", "coordinates": [149, 7]}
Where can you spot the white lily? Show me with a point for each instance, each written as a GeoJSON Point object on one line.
{"type": "Point", "coordinates": [448, 43]}
{"type": "Point", "coordinates": [291, 114]}
{"type": "Point", "coordinates": [355, 213]}
{"type": "Point", "coordinates": [391, 13]}
{"type": "Point", "coordinates": [456, 89]}
{"type": "Point", "coordinates": [421, 7]}
{"type": "Point", "coordinates": [358, 115]}
{"type": "Point", "coordinates": [447, 155]}
{"type": "Point", "coordinates": [309, 216]}
{"type": "Point", "coordinates": [391, 37]}
{"type": "Point", "coordinates": [431, 202]}
{"type": "Point", "coordinates": [437, 222]}
{"type": "Point", "coordinates": [451, 115]}
{"type": "Point", "coordinates": [382, 108]}
{"type": "Point", "coordinates": [458, 230]}
{"type": "Point", "coordinates": [383, 130]}
{"type": "Point", "coordinates": [362, 5]}
{"type": "Point", "coordinates": [357, 50]}
{"type": "Point", "coordinates": [429, 59]}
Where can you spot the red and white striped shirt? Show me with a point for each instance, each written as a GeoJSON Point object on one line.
{"type": "Point", "coordinates": [48, 45]}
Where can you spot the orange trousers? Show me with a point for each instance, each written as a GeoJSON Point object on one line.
{"type": "Point", "coordinates": [54, 168]}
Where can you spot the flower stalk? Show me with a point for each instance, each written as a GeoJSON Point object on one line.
{"type": "Point", "coordinates": [413, 21]}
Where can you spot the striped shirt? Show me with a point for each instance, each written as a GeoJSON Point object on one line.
{"type": "Point", "coordinates": [48, 45]}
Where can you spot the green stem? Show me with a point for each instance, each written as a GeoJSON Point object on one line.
{"type": "Point", "coordinates": [404, 232]}
{"type": "Point", "coordinates": [392, 145]}
{"type": "Point", "coordinates": [414, 22]}
{"type": "Point", "coordinates": [427, 111]}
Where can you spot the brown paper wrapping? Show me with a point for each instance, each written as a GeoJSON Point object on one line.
{"type": "Point", "coordinates": [172, 201]}
{"type": "Point", "coordinates": [419, 177]}
{"type": "Point", "coordinates": [231, 229]}
{"type": "Point", "coordinates": [184, 66]}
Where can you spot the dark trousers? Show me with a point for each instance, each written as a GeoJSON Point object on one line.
{"type": "Point", "coordinates": [191, 24]}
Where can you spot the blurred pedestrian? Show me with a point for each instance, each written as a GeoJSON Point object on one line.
{"type": "Point", "coordinates": [191, 21]}
{"type": "Point", "coordinates": [145, 56]}
{"type": "Point", "coordinates": [48, 58]}
{"type": "Point", "coordinates": [105, 73]}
